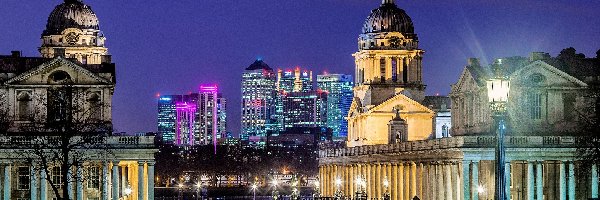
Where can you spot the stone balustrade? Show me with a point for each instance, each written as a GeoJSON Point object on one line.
{"type": "Point", "coordinates": [112, 141]}
{"type": "Point", "coordinates": [455, 142]}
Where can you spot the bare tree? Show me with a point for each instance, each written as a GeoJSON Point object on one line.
{"type": "Point", "coordinates": [64, 131]}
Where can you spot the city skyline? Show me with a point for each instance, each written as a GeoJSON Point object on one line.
{"type": "Point", "coordinates": [447, 31]}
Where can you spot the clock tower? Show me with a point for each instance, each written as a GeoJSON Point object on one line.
{"type": "Point", "coordinates": [73, 31]}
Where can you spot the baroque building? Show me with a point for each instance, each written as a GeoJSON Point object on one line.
{"type": "Point", "coordinates": [61, 102]}
{"type": "Point", "coordinates": [389, 80]}
{"type": "Point", "coordinates": [550, 100]}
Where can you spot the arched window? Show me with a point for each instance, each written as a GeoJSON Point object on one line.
{"type": "Point", "coordinates": [94, 106]}
{"type": "Point", "coordinates": [59, 77]}
{"type": "Point", "coordinates": [24, 105]}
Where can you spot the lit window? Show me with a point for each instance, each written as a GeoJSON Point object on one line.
{"type": "Point", "coordinates": [23, 178]}
{"type": "Point", "coordinates": [535, 105]}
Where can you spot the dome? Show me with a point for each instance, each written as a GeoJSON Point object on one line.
{"type": "Point", "coordinates": [71, 14]}
{"type": "Point", "coordinates": [388, 18]}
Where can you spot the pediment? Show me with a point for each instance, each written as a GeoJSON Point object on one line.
{"type": "Point", "coordinates": [407, 104]}
{"type": "Point", "coordinates": [466, 82]}
{"type": "Point", "coordinates": [542, 74]}
{"type": "Point", "coordinates": [52, 72]}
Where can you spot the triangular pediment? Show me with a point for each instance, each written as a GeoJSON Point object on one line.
{"type": "Point", "coordinates": [42, 74]}
{"type": "Point", "coordinates": [542, 74]}
{"type": "Point", "coordinates": [407, 105]}
{"type": "Point", "coordinates": [466, 82]}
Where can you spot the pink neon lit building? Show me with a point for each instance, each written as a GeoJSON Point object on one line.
{"type": "Point", "coordinates": [208, 116]}
{"type": "Point", "coordinates": [184, 126]}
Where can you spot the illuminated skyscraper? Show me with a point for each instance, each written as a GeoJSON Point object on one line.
{"type": "Point", "coordinates": [222, 116]}
{"type": "Point", "coordinates": [167, 114]}
{"type": "Point", "coordinates": [258, 97]}
{"type": "Point", "coordinates": [304, 109]}
{"type": "Point", "coordinates": [207, 115]}
{"type": "Point", "coordinates": [339, 97]}
{"type": "Point", "coordinates": [184, 123]}
{"type": "Point", "coordinates": [289, 81]}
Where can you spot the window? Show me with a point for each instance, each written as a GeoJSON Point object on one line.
{"type": "Point", "coordinates": [56, 176]}
{"type": "Point", "coordinates": [93, 176]}
{"type": "Point", "coordinates": [568, 106]}
{"type": "Point", "coordinates": [382, 69]}
{"type": "Point", "coordinates": [95, 106]}
{"type": "Point", "coordinates": [535, 105]}
{"type": "Point", "coordinates": [25, 106]}
{"type": "Point", "coordinates": [23, 178]}
{"type": "Point", "coordinates": [394, 69]}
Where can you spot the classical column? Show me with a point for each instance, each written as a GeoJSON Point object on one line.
{"type": "Point", "coordinates": [370, 179]}
{"type": "Point", "coordinates": [70, 178]}
{"type": "Point", "coordinates": [388, 176]}
{"type": "Point", "coordinates": [104, 180]}
{"type": "Point", "coordinates": [420, 180]}
{"type": "Point", "coordinates": [466, 176]}
{"type": "Point", "coordinates": [571, 181]}
{"type": "Point", "coordinates": [432, 182]}
{"type": "Point", "coordinates": [457, 182]}
{"type": "Point", "coordinates": [401, 185]}
{"type": "Point", "coordinates": [79, 183]}
{"type": "Point", "coordinates": [6, 184]}
{"type": "Point", "coordinates": [475, 176]}
{"type": "Point", "coordinates": [507, 179]}
{"type": "Point", "coordinates": [352, 178]}
{"type": "Point", "coordinates": [43, 186]}
{"type": "Point", "coordinates": [594, 181]}
{"type": "Point", "coordinates": [150, 180]}
{"type": "Point", "coordinates": [394, 181]}
{"type": "Point", "coordinates": [115, 180]}
{"type": "Point", "coordinates": [413, 180]}
{"type": "Point", "coordinates": [426, 183]}
{"type": "Point", "coordinates": [33, 182]}
{"type": "Point", "coordinates": [439, 173]}
{"type": "Point", "coordinates": [563, 181]}
{"type": "Point", "coordinates": [530, 181]}
{"type": "Point", "coordinates": [448, 179]}
{"type": "Point", "coordinates": [407, 181]}
{"type": "Point", "coordinates": [378, 181]}
{"type": "Point", "coordinates": [140, 184]}
{"type": "Point", "coordinates": [539, 181]}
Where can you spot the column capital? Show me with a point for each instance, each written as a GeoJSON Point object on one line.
{"type": "Point", "coordinates": [141, 162]}
{"type": "Point", "coordinates": [151, 162]}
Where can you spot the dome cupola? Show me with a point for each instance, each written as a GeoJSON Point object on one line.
{"type": "Point", "coordinates": [71, 14]}
{"type": "Point", "coordinates": [388, 18]}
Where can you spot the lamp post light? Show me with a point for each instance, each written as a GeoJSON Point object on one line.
{"type": "Point", "coordinates": [254, 186]}
{"type": "Point", "coordinates": [317, 193]}
{"type": "Point", "coordinates": [275, 193]}
{"type": "Point", "coordinates": [338, 192]}
{"type": "Point", "coordinates": [386, 193]}
{"type": "Point", "coordinates": [498, 90]}
{"type": "Point", "coordinates": [361, 194]}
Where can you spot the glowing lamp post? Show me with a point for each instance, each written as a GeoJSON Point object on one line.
{"type": "Point", "coordinates": [361, 194]}
{"type": "Point", "coordinates": [338, 192]}
{"type": "Point", "coordinates": [498, 90]}
{"type": "Point", "coordinates": [386, 185]}
{"type": "Point", "coordinates": [254, 186]}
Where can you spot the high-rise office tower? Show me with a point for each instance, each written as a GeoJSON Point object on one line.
{"type": "Point", "coordinates": [184, 123]}
{"type": "Point", "coordinates": [207, 115]}
{"type": "Point", "coordinates": [304, 109]}
{"type": "Point", "coordinates": [339, 98]}
{"type": "Point", "coordinates": [221, 116]}
{"type": "Point", "coordinates": [258, 95]}
{"type": "Point", "coordinates": [167, 114]}
{"type": "Point", "coordinates": [288, 81]}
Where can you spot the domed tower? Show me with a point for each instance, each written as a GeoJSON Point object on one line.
{"type": "Point", "coordinates": [388, 60]}
{"type": "Point", "coordinates": [386, 107]}
{"type": "Point", "coordinates": [72, 31]}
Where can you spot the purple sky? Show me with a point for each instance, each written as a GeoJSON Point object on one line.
{"type": "Point", "coordinates": [172, 47]}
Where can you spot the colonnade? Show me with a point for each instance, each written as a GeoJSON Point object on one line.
{"type": "Point", "coordinates": [452, 180]}
{"type": "Point", "coordinates": [113, 179]}
{"type": "Point", "coordinates": [392, 69]}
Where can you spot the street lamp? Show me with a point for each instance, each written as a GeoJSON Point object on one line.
{"type": "Point", "coordinates": [338, 192]}
{"type": "Point", "coordinates": [317, 193]}
{"type": "Point", "coordinates": [127, 191]}
{"type": "Point", "coordinates": [498, 90]}
{"type": "Point", "coordinates": [254, 186]}
{"type": "Point", "coordinates": [275, 192]}
{"type": "Point", "coordinates": [386, 185]}
{"type": "Point", "coordinates": [361, 194]}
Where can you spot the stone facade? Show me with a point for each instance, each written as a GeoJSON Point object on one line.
{"type": "Point", "coordinates": [65, 97]}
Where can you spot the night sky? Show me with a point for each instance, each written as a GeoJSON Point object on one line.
{"type": "Point", "coordinates": [171, 47]}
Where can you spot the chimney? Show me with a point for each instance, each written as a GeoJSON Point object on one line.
{"type": "Point", "coordinates": [538, 56]}
{"type": "Point", "coordinates": [15, 54]}
{"type": "Point", "coordinates": [473, 62]}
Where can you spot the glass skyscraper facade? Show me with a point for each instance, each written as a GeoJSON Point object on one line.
{"type": "Point", "coordinates": [258, 103]}
{"type": "Point", "coordinates": [339, 98]}
{"type": "Point", "coordinates": [304, 109]}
